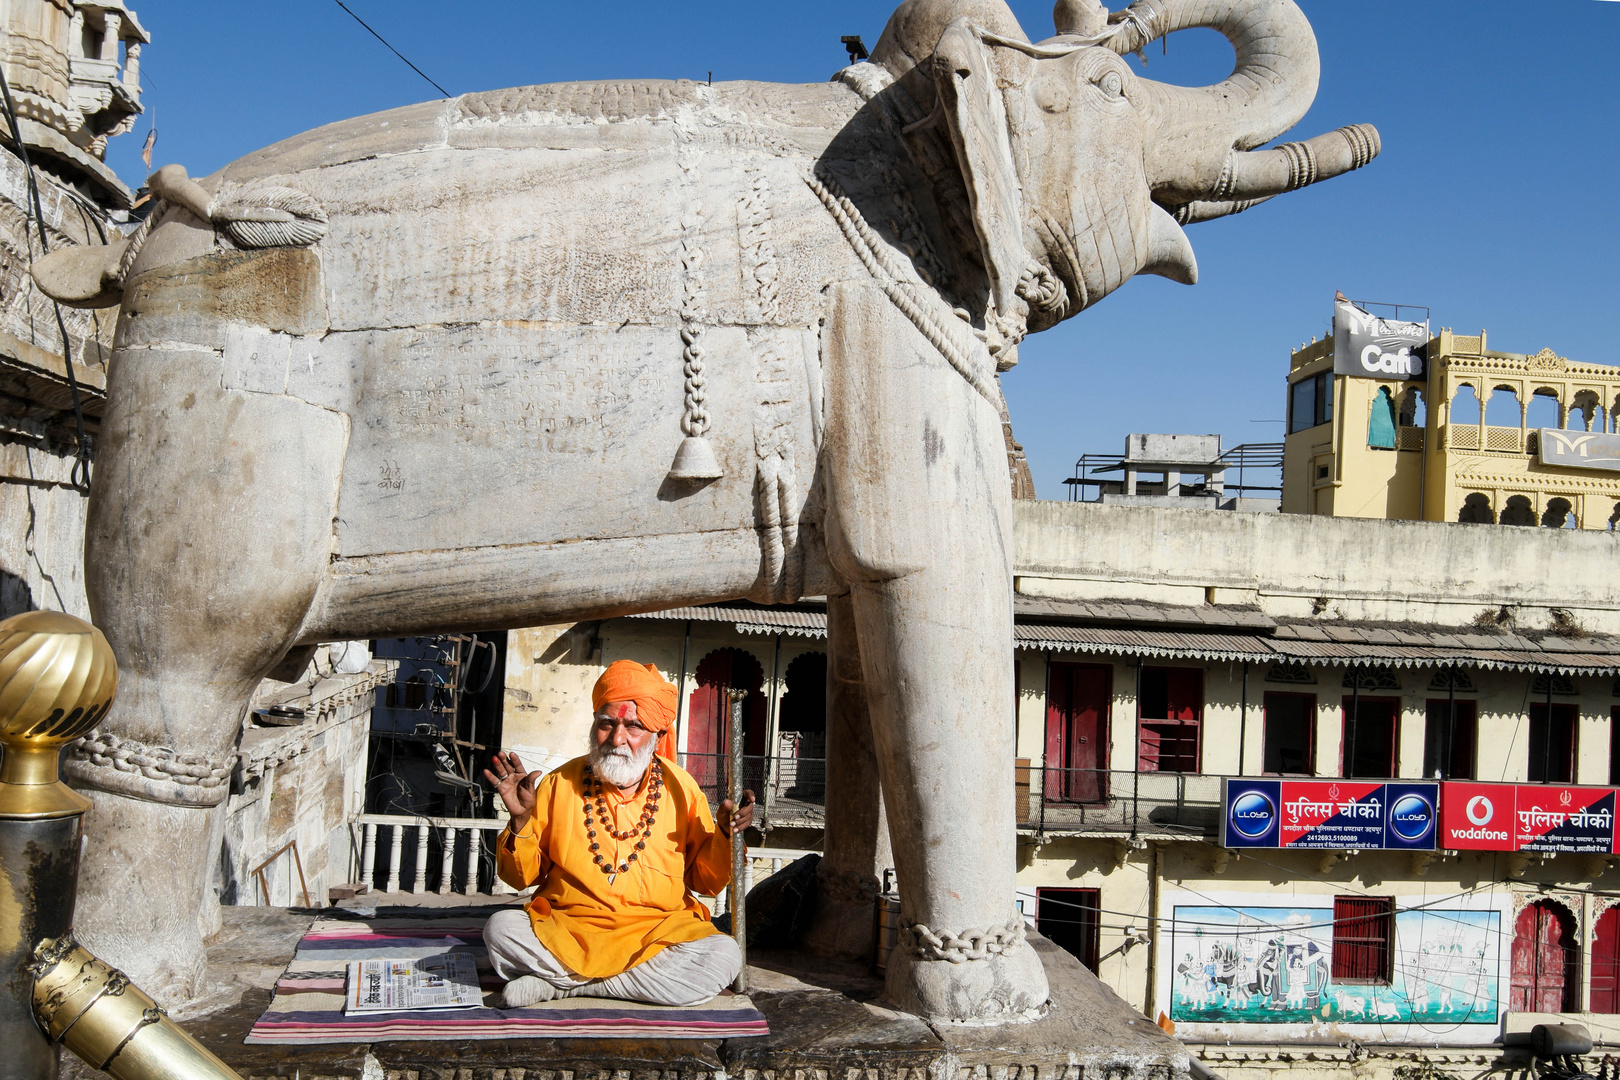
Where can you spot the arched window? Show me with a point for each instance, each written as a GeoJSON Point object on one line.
{"type": "Point", "coordinates": [1586, 413]}
{"type": "Point", "coordinates": [708, 717]}
{"type": "Point", "coordinates": [1559, 515]}
{"type": "Point", "coordinates": [1476, 509]}
{"type": "Point", "coordinates": [1542, 411]}
{"type": "Point", "coordinates": [1502, 408]}
{"type": "Point", "coordinates": [801, 765]}
{"type": "Point", "coordinates": [1381, 421]}
{"type": "Point", "coordinates": [803, 706]}
{"type": "Point", "coordinates": [1465, 405]}
{"type": "Point", "coordinates": [1414, 412]}
{"type": "Point", "coordinates": [1518, 511]}
{"type": "Point", "coordinates": [1546, 960]}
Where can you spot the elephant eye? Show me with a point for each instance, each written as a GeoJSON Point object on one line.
{"type": "Point", "coordinates": [1111, 84]}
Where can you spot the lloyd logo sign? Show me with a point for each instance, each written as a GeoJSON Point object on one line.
{"type": "Point", "coordinates": [1527, 817]}
{"type": "Point", "coordinates": [1335, 814]}
{"type": "Point", "coordinates": [1579, 449]}
{"type": "Point", "coordinates": [1376, 348]}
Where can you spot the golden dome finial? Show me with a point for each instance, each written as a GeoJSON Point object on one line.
{"type": "Point", "coordinates": [58, 678]}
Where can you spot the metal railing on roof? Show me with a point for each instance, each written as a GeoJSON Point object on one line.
{"type": "Point", "coordinates": [1103, 471]}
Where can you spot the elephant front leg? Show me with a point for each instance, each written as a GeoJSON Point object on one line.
{"type": "Point", "coordinates": [920, 523]}
{"type": "Point", "coordinates": [210, 526]}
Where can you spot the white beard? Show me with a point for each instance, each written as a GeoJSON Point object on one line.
{"type": "Point", "coordinates": [616, 765]}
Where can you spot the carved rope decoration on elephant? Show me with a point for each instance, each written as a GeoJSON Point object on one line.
{"type": "Point", "coordinates": [575, 351]}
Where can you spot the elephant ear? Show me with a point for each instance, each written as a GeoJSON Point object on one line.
{"type": "Point", "coordinates": [977, 118]}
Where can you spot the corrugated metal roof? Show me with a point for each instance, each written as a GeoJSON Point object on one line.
{"type": "Point", "coordinates": [1268, 641]}
{"type": "Point", "coordinates": [795, 622]}
{"type": "Point", "coordinates": [1141, 612]}
{"type": "Point", "coordinates": [1339, 644]}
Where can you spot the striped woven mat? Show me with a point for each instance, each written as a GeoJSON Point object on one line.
{"type": "Point", "coordinates": [308, 1003]}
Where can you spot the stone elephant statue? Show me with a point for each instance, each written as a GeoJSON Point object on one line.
{"type": "Point", "coordinates": [574, 351]}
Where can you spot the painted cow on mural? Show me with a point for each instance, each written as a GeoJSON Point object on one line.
{"type": "Point", "coordinates": [572, 351]}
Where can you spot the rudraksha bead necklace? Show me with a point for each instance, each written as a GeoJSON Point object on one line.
{"type": "Point", "coordinates": [644, 826]}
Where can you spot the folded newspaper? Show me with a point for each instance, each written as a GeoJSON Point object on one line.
{"type": "Point", "coordinates": [443, 981]}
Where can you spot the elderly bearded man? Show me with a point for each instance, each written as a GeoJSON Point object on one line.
{"type": "Point", "coordinates": [618, 842]}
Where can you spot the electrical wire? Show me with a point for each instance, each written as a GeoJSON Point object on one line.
{"type": "Point", "coordinates": [81, 464]}
{"type": "Point", "coordinates": [393, 50]}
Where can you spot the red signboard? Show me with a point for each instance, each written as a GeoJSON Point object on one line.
{"type": "Point", "coordinates": [1309, 805]}
{"type": "Point", "coordinates": [1527, 817]}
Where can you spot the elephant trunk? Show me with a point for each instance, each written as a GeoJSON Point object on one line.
{"type": "Point", "coordinates": [1263, 173]}
{"type": "Point", "coordinates": [1198, 128]}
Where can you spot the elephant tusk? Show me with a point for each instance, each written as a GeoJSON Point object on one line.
{"type": "Point", "coordinates": [1170, 254]}
{"type": "Point", "coordinates": [1191, 213]}
{"type": "Point", "coordinates": [928, 121]}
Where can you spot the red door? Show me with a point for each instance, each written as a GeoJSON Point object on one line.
{"type": "Point", "coordinates": [1077, 733]}
{"type": "Point", "coordinates": [1606, 963]}
{"type": "Point", "coordinates": [709, 712]}
{"type": "Point", "coordinates": [1545, 961]}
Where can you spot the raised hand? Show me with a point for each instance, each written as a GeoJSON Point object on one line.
{"type": "Point", "coordinates": [733, 818]}
{"type": "Point", "coordinates": [515, 788]}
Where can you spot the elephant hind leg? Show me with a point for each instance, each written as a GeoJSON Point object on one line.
{"type": "Point", "coordinates": [857, 846]}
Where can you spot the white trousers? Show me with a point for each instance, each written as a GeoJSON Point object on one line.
{"type": "Point", "coordinates": [686, 974]}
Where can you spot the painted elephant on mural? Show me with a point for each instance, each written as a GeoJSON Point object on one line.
{"type": "Point", "coordinates": [574, 351]}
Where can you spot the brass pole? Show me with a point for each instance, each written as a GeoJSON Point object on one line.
{"type": "Point", "coordinates": [57, 680]}
{"type": "Point", "coordinates": [96, 1012]}
{"type": "Point", "coordinates": [739, 850]}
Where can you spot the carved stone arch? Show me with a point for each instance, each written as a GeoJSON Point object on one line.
{"type": "Point", "coordinates": [1560, 405]}
{"type": "Point", "coordinates": [1472, 386]}
{"type": "Point", "coordinates": [1514, 390]}
{"type": "Point", "coordinates": [1568, 903]}
{"type": "Point", "coordinates": [1476, 509]}
{"type": "Point", "coordinates": [1590, 405]}
{"type": "Point", "coordinates": [1560, 514]}
{"type": "Point", "coordinates": [1571, 905]}
{"type": "Point", "coordinates": [1565, 902]}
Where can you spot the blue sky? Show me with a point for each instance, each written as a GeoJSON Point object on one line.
{"type": "Point", "coordinates": [1492, 202]}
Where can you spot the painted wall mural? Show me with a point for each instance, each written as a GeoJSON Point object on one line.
{"type": "Point", "coordinates": [1273, 965]}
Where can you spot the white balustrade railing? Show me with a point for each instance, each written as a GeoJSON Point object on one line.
{"type": "Point", "coordinates": [456, 853]}
{"type": "Point", "coordinates": [464, 856]}
{"type": "Point", "coordinates": [762, 862]}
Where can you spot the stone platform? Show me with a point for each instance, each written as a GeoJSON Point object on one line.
{"type": "Point", "coordinates": [826, 1024]}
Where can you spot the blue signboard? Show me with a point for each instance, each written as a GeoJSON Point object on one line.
{"type": "Point", "coordinates": [1329, 814]}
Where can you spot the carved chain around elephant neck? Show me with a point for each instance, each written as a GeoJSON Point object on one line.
{"type": "Point", "coordinates": [126, 766]}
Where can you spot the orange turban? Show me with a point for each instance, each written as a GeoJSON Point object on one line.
{"type": "Point", "coordinates": [654, 695]}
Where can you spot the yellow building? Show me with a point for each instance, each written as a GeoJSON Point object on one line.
{"type": "Point", "coordinates": [1459, 443]}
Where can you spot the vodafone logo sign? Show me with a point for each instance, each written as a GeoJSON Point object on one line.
{"type": "Point", "coordinates": [1476, 816]}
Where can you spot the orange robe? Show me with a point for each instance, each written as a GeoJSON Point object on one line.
{"type": "Point", "coordinates": [597, 929]}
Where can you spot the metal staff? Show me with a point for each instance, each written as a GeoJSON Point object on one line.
{"type": "Point", "coordinates": [739, 851]}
